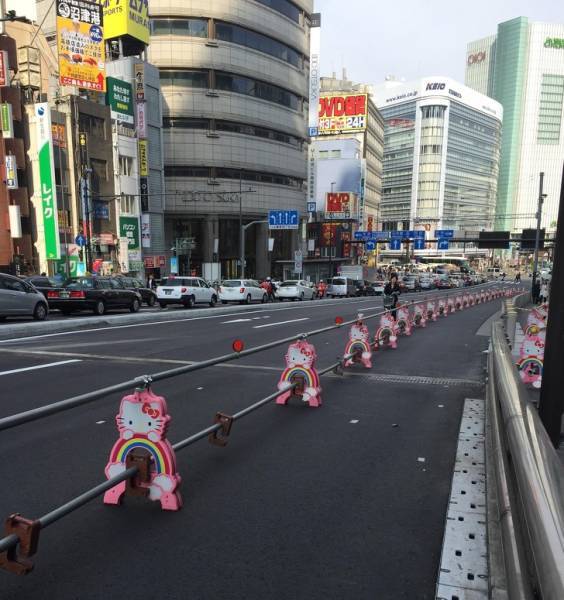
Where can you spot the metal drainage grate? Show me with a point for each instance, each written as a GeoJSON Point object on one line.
{"type": "Point", "coordinates": [409, 379]}
{"type": "Point", "coordinates": [463, 573]}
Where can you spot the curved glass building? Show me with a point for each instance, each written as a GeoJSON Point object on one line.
{"type": "Point", "coordinates": [234, 80]}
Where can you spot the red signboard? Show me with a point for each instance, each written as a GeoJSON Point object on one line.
{"type": "Point", "coordinates": [342, 113]}
{"type": "Point", "coordinates": [338, 202]}
{"type": "Point", "coordinates": [149, 262]}
{"type": "Point", "coordinates": [4, 74]}
{"type": "Point", "coordinates": [328, 235]}
{"type": "Point", "coordinates": [370, 224]}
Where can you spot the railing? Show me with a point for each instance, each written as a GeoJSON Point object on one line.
{"type": "Point", "coordinates": [534, 511]}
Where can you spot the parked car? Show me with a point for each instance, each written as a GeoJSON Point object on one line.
{"type": "Point", "coordinates": [427, 283]}
{"type": "Point", "coordinates": [444, 283]}
{"type": "Point", "coordinates": [342, 287]}
{"type": "Point", "coordinates": [376, 288]}
{"type": "Point", "coordinates": [362, 287]}
{"type": "Point", "coordinates": [294, 289]}
{"type": "Point", "coordinates": [187, 291]}
{"type": "Point", "coordinates": [98, 294]}
{"type": "Point", "coordinates": [20, 298]}
{"type": "Point", "coordinates": [411, 283]}
{"type": "Point", "coordinates": [243, 291]}
{"type": "Point", "coordinates": [148, 296]}
{"type": "Point", "coordinates": [42, 283]}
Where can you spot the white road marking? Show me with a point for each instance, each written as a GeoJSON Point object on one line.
{"type": "Point", "coordinates": [55, 364]}
{"type": "Point", "coordinates": [281, 323]}
{"type": "Point", "coordinates": [236, 321]}
{"type": "Point", "coordinates": [100, 422]}
{"type": "Point", "coordinates": [420, 459]}
{"type": "Point", "coordinates": [353, 421]}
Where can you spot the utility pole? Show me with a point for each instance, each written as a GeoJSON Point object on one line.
{"type": "Point", "coordinates": [551, 404]}
{"type": "Point", "coordinates": [333, 184]}
{"type": "Point", "coordinates": [241, 232]}
{"type": "Point", "coordinates": [537, 236]}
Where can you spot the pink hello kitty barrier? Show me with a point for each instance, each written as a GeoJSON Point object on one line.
{"type": "Point", "coordinates": [358, 348]}
{"type": "Point", "coordinates": [142, 423]}
{"type": "Point", "coordinates": [531, 358]}
{"type": "Point", "coordinates": [431, 311]}
{"type": "Point", "coordinates": [403, 323]}
{"type": "Point", "coordinates": [419, 316]}
{"type": "Point", "coordinates": [386, 335]}
{"type": "Point", "coordinates": [442, 309]}
{"type": "Point", "coordinates": [300, 368]}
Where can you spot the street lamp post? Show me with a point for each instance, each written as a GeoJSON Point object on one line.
{"type": "Point", "coordinates": [539, 217]}
{"type": "Point", "coordinates": [333, 183]}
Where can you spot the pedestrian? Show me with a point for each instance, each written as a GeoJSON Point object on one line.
{"type": "Point", "coordinates": [543, 295]}
{"type": "Point", "coordinates": [392, 291]}
{"type": "Point", "coordinates": [151, 282]}
{"type": "Point", "coordinates": [518, 277]}
{"type": "Point", "coordinates": [535, 290]}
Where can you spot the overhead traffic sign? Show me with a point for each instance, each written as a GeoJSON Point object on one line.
{"type": "Point", "coordinates": [283, 219]}
{"type": "Point", "coordinates": [370, 246]}
{"type": "Point", "coordinates": [419, 243]}
{"type": "Point", "coordinates": [444, 233]}
{"type": "Point", "coordinates": [395, 244]}
{"type": "Point", "coordinates": [442, 244]}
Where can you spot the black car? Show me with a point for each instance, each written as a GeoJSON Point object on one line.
{"type": "Point", "coordinates": [42, 283]}
{"type": "Point", "coordinates": [148, 296]}
{"type": "Point", "coordinates": [98, 294]}
{"type": "Point", "coordinates": [360, 286]}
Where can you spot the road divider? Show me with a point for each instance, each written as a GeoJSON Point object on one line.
{"type": "Point", "coordinates": [143, 462]}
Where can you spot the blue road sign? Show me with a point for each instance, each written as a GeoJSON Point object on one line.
{"type": "Point", "coordinates": [311, 207]}
{"type": "Point", "coordinates": [283, 219]}
{"type": "Point", "coordinates": [396, 235]}
{"type": "Point", "coordinates": [80, 240]}
{"type": "Point", "coordinates": [361, 235]}
{"type": "Point", "coordinates": [419, 243]}
{"type": "Point", "coordinates": [395, 244]}
{"type": "Point", "coordinates": [442, 244]}
{"type": "Point", "coordinates": [444, 233]}
{"type": "Point", "coordinates": [370, 246]}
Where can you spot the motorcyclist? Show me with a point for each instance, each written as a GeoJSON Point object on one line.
{"type": "Point", "coordinates": [321, 288]}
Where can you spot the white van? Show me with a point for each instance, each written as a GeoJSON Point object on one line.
{"type": "Point", "coordinates": [341, 287]}
{"type": "Point", "coordinates": [493, 272]}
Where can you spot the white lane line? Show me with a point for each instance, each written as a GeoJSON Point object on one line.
{"type": "Point", "coordinates": [281, 323]}
{"type": "Point", "coordinates": [55, 364]}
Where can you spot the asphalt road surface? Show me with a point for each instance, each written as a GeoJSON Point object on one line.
{"type": "Point", "coordinates": [344, 501]}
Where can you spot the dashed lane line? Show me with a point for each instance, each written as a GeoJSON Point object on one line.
{"type": "Point", "coordinates": [35, 367]}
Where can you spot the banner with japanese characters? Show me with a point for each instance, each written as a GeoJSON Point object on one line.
{"type": "Point", "coordinates": [47, 181]}
{"type": "Point", "coordinates": [80, 44]}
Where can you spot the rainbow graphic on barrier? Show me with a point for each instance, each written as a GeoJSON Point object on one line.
{"type": "Point", "coordinates": [292, 373]}
{"type": "Point", "coordinates": [159, 451]}
{"type": "Point", "coordinates": [300, 365]}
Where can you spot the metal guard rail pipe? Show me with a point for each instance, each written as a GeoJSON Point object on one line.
{"type": "Point", "coordinates": [539, 472]}
{"type": "Point", "coordinates": [62, 405]}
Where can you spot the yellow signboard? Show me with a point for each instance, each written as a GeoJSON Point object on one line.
{"type": "Point", "coordinates": [80, 44]}
{"type": "Point", "coordinates": [126, 17]}
{"type": "Point", "coordinates": [143, 159]}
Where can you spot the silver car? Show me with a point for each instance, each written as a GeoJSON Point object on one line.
{"type": "Point", "coordinates": [19, 298]}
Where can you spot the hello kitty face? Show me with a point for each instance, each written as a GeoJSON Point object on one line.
{"type": "Point", "coordinates": [387, 321]}
{"type": "Point", "coordinates": [431, 306]}
{"type": "Point", "coordinates": [142, 416]}
{"type": "Point", "coordinates": [441, 303]}
{"type": "Point", "coordinates": [533, 345]}
{"type": "Point", "coordinates": [300, 354]}
{"type": "Point", "coordinates": [418, 309]}
{"type": "Point", "coordinates": [536, 318]}
{"type": "Point", "coordinates": [359, 331]}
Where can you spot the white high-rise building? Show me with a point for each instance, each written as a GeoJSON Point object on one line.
{"type": "Point", "coordinates": [522, 67]}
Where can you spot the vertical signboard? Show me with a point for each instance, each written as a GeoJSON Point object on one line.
{"type": "Point", "coordinates": [314, 48]}
{"type": "Point", "coordinates": [4, 69]}
{"type": "Point", "coordinates": [129, 229]}
{"type": "Point", "coordinates": [7, 120]}
{"type": "Point", "coordinates": [11, 172]}
{"type": "Point", "coordinates": [80, 44]}
{"type": "Point", "coordinates": [47, 181]}
{"type": "Point", "coordinates": [146, 230]}
{"type": "Point", "coordinates": [139, 82]}
{"type": "Point", "coordinates": [143, 159]}
{"type": "Point", "coordinates": [141, 120]}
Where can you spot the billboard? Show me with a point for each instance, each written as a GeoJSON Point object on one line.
{"type": "Point", "coordinates": [340, 205]}
{"type": "Point", "coordinates": [7, 120]}
{"type": "Point", "coordinates": [126, 17]}
{"type": "Point", "coordinates": [119, 97]}
{"type": "Point", "coordinates": [47, 181]}
{"type": "Point", "coordinates": [342, 113]}
{"type": "Point", "coordinates": [4, 69]}
{"type": "Point", "coordinates": [80, 44]}
{"type": "Point", "coordinates": [314, 49]}
{"type": "Point", "coordinates": [129, 230]}
{"type": "Point", "coordinates": [11, 172]}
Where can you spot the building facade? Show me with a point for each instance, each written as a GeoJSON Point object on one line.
{"type": "Point", "coordinates": [522, 67]}
{"type": "Point", "coordinates": [441, 155]}
{"type": "Point", "coordinates": [234, 80]}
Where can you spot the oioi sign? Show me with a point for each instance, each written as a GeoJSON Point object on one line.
{"type": "Point", "coordinates": [47, 181]}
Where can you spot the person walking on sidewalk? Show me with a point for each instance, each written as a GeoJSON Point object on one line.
{"type": "Point", "coordinates": [392, 291]}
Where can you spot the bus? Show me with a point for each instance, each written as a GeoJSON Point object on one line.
{"type": "Point", "coordinates": [451, 263]}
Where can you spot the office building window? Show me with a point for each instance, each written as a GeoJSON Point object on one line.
{"type": "Point", "coordinates": [187, 27]}
{"type": "Point", "coordinates": [127, 204]}
{"type": "Point", "coordinates": [126, 166]}
{"type": "Point", "coordinates": [91, 125]}
{"type": "Point", "coordinates": [284, 7]}
{"type": "Point", "coordinates": [259, 89]}
{"type": "Point", "coordinates": [99, 169]}
{"type": "Point", "coordinates": [550, 109]}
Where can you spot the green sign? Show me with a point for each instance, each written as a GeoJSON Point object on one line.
{"type": "Point", "coordinates": [7, 120]}
{"type": "Point", "coordinates": [47, 181]}
{"type": "Point", "coordinates": [119, 97]}
{"type": "Point", "coordinates": [554, 43]}
{"type": "Point", "coordinates": [129, 228]}
{"type": "Point", "coordinates": [73, 264]}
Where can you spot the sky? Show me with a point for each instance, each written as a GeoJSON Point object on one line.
{"type": "Point", "coordinates": [414, 38]}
